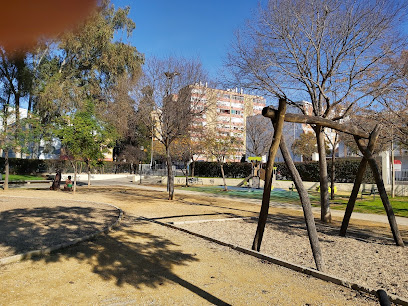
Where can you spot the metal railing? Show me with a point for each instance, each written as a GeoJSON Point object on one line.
{"type": "Point", "coordinates": [401, 175]}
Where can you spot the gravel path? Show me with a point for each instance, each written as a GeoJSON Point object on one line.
{"type": "Point", "coordinates": [380, 264]}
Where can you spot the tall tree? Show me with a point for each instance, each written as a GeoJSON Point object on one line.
{"type": "Point", "coordinates": [92, 62]}
{"type": "Point", "coordinates": [16, 78]}
{"type": "Point", "coordinates": [168, 83]}
{"type": "Point", "coordinates": [330, 52]}
{"type": "Point", "coordinates": [85, 138]}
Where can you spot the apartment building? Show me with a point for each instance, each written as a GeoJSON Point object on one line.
{"type": "Point", "coordinates": [225, 113]}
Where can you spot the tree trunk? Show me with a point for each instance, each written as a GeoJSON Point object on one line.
{"type": "Point", "coordinates": [186, 174]}
{"type": "Point", "coordinates": [89, 173]}
{"type": "Point", "coordinates": [6, 168]}
{"type": "Point", "coordinates": [223, 176]}
{"type": "Point", "coordinates": [324, 186]}
{"type": "Point", "coordinates": [263, 214]}
{"type": "Point", "coordinates": [307, 207]}
{"type": "Point", "coordinates": [357, 182]}
{"type": "Point", "coordinates": [170, 176]}
{"type": "Point", "coordinates": [192, 168]}
{"type": "Point", "coordinates": [381, 190]}
{"type": "Point", "coordinates": [75, 175]}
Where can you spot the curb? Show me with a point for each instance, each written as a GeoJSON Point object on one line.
{"type": "Point", "coordinates": [71, 242]}
{"type": "Point", "coordinates": [298, 268]}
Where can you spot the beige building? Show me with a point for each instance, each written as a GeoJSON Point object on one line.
{"type": "Point", "coordinates": [225, 113]}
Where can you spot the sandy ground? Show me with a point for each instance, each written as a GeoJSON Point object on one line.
{"type": "Point", "coordinates": [145, 263]}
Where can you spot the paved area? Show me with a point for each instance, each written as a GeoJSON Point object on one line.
{"type": "Point", "coordinates": [145, 263]}
{"type": "Point", "coordinates": [142, 263]}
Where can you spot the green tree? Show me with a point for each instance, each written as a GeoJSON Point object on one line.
{"type": "Point", "coordinates": [85, 138]}
{"type": "Point", "coordinates": [305, 145]}
{"type": "Point", "coordinates": [15, 137]}
{"type": "Point", "coordinates": [91, 63]}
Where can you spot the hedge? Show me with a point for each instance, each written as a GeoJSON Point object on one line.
{"type": "Point", "coordinates": [37, 166]}
{"type": "Point", "coordinates": [345, 171]}
{"type": "Point", "coordinates": [231, 170]}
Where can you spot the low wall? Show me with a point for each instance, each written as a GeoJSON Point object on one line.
{"type": "Point", "coordinates": [95, 177]}
{"type": "Point", "coordinates": [400, 190]}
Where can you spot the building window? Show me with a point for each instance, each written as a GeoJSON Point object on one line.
{"type": "Point", "coordinates": [238, 98]}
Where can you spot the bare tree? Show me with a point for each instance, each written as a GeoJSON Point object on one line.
{"type": "Point", "coordinates": [222, 148]}
{"type": "Point", "coordinates": [259, 133]}
{"type": "Point", "coordinates": [169, 104]}
{"type": "Point", "coordinates": [396, 102]}
{"type": "Point", "coordinates": [330, 52]}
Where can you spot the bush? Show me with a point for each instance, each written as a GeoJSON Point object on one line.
{"type": "Point", "coordinates": [231, 170]}
{"type": "Point", "coordinates": [345, 171]}
{"type": "Point", "coordinates": [37, 166]}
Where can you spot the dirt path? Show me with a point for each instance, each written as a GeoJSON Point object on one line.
{"type": "Point", "coordinates": [145, 263]}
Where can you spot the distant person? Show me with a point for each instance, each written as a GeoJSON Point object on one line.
{"type": "Point", "coordinates": [57, 181]}
{"type": "Point", "coordinates": [68, 184]}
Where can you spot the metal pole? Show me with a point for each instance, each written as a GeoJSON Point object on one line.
{"type": "Point", "coordinates": [392, 164]}
{"type": "Point", "coordinates": [151, 150]}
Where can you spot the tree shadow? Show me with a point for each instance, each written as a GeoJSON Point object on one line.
{"type": "Point", "coordinates": [135, 257]}
{"type": "Point", "coordinates": [129, 255]}
{"type": "Point", "coordinates": [27, 229]}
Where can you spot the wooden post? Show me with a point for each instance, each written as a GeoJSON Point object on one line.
{"type": "Point", "coordinates": [307, 207]}
{"type": "Point", "coordinates": [263, 214]}
{"type": "Point", "coordinates": [357, 183]}
{"type": "Point", "coordinates": [381, 190]}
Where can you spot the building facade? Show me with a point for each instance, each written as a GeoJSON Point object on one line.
{"type": "Point", "coordinates": [225, 113]}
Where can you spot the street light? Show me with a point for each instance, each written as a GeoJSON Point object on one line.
{"type": "Point", "coordinates": [170, 76]}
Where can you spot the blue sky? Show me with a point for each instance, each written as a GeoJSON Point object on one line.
{"type": "Point", "coordinates": [188, 28]}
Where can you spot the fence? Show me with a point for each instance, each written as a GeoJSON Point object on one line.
{"type": "Point", "coordinates": [401, 176]}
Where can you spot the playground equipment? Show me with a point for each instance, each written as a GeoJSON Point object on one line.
{"type": "Point", "coordinates": [278, 118]}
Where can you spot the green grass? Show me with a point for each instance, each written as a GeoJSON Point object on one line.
{"type": "Point", "coordinates": [372, 205]}
{"type": "Point", "coordinates": [368, 204]}
{"type": "Point", "coordinates": [17, 177]}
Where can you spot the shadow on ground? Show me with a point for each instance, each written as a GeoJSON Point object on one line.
{"type": "Point", "coordinates": [128, 255]}
{"type": "Point", "coordinates": [136, 257]}
{"type": "Point", "coordinates": [28, 229]}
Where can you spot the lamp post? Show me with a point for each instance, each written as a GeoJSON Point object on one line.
{"type": "Point", "coordinates": [151, 149]}
{"type": "Point", "coordinates": [168, 98]}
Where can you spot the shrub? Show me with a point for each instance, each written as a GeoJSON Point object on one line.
{"type": "Point", "coordinates": [231, 170]}
{"type": "Point", "coordinates": [345, 171]}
